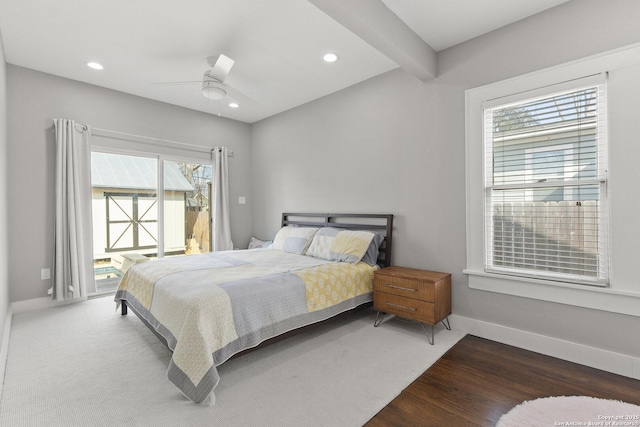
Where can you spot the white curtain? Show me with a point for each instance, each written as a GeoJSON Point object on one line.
{"type": "Point", "coordinates": [73, 253]}
{"type": "Point", "coordinates": [221, 239]}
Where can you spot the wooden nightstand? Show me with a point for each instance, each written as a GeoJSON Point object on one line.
{"type": "Point", "coordinates": [420, 295]}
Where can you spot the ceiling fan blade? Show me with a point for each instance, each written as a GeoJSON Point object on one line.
{"type": "Point", "coordinates": [238, 96]}
{"type": "Point", "coordinates": [221, 67]}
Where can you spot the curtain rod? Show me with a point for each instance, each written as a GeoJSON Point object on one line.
{"type": "Point", "coordinates": [149, 140]}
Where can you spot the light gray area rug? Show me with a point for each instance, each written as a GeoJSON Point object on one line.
{"type": "Point", "coordinates": [84, 364]}
{"type": "Point", "coordinates": [571, 411]}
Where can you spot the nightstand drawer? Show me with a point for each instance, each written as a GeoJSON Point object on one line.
{"type": "Point", "coordinates": [406, 287]}
{"type": "Point", "coordinates": [405, 307]}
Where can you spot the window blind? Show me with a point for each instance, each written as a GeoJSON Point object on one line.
{"type": "Point", "coordinates": [545, 187]}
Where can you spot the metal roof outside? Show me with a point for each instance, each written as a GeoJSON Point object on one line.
{"type": "Point", "coordinates": [134, 173]}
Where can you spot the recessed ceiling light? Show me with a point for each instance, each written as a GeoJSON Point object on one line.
{"type": "Point", "coordinates": [330, 57]}
{"type": "Point", "coordinates": [94, 65]}
{"type": "Point", "coordinates": [234, 105]}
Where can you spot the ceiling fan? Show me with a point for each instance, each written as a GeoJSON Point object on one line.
{"type": "Point", "coordinates": [212, 84]}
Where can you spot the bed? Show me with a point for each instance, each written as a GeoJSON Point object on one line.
{"type": "Point", "coordinates": [209, 307]}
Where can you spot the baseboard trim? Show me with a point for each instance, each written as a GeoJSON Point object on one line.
{"type": "Point", "coordinates": [40, 303]}
{"type": "Point", "coordinates": [32, 304]}
{"type": "Point", "coordinates": [4, 349]}
{"type": "Point", "coordinates": [598, 358]}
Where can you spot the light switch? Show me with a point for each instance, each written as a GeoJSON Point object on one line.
{"type": "Point", "coordinates": [242, 200]}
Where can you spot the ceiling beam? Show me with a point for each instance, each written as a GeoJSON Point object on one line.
{"type": "Point", "coordinates": [372, 21]}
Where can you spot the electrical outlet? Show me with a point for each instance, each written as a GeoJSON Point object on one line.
{"type": "Point", "coordinates": [242, 200]}
{"type": "Point", "coordinates": [45, 274]}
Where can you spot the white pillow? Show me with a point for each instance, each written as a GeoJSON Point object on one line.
{"type": "Point", "coordinates": [255, 243]}
{"type": "Point", "coordinates": [321, 245]}
{"type": "Point", "coordinates": [294, 240]}
{"type": "Point", "coordinates": [338, 245]}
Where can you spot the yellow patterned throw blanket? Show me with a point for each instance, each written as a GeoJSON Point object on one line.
{"type": "Point", "coordinates": [208, 307]}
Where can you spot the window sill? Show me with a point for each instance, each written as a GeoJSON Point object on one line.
{"type": "Point", "coordinates": [605, 299]}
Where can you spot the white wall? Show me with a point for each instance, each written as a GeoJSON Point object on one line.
{"type": "Point", "coordinates": [395, 145]}
{"type": "Point", "coordinates": [35, 99]}
{"type": "Point", "coordinates": [4, 201]}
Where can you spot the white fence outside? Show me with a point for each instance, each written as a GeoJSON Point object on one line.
{"type": "Point", "coordinates": [549, 236]}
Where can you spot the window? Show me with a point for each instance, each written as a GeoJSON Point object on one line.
{"type": "Point", "coordinates": [545, 186]}
{"type": "Point", "coordinates": [560, 171]}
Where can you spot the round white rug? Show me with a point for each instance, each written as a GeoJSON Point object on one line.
{"type": "Point", "coordinates": [571, 411]}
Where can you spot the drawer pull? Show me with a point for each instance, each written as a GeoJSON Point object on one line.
{"type": "Point", "coordinates": [400, 287]}
{"type": "Point", "coordinates": [401, 306]}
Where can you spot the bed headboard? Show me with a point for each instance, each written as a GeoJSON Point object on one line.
{"type": "Point", "coordinates": [381, 223]}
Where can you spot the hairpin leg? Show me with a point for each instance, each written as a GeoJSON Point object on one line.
{"type": "Point", "coordinates": [432, 339]}
{"type": "Point", "coordinates": [447, 324]}
{"type": "Point", "coordinates": [377, 322]}
{"type": "Point", "coordinates": [430, 335]}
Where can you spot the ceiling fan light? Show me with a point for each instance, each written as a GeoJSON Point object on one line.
{"type": "Point", "coordinates": [213, 91]}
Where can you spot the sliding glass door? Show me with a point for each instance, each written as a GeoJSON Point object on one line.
{"type": "Point", "coordinates": [137, 217]}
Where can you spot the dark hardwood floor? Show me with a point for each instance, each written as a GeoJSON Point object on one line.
{"type": "Point", "coordinates": [478, 380]}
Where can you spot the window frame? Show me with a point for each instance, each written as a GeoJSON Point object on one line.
{"type": "Point", "coordinates": [598, 82]}
{"type": "Point", "coordinates": [160, 156]}
{"type": "Point", "coordinates": [160, 159]}
{"type": "Point", "coordinates": [623, 294]}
